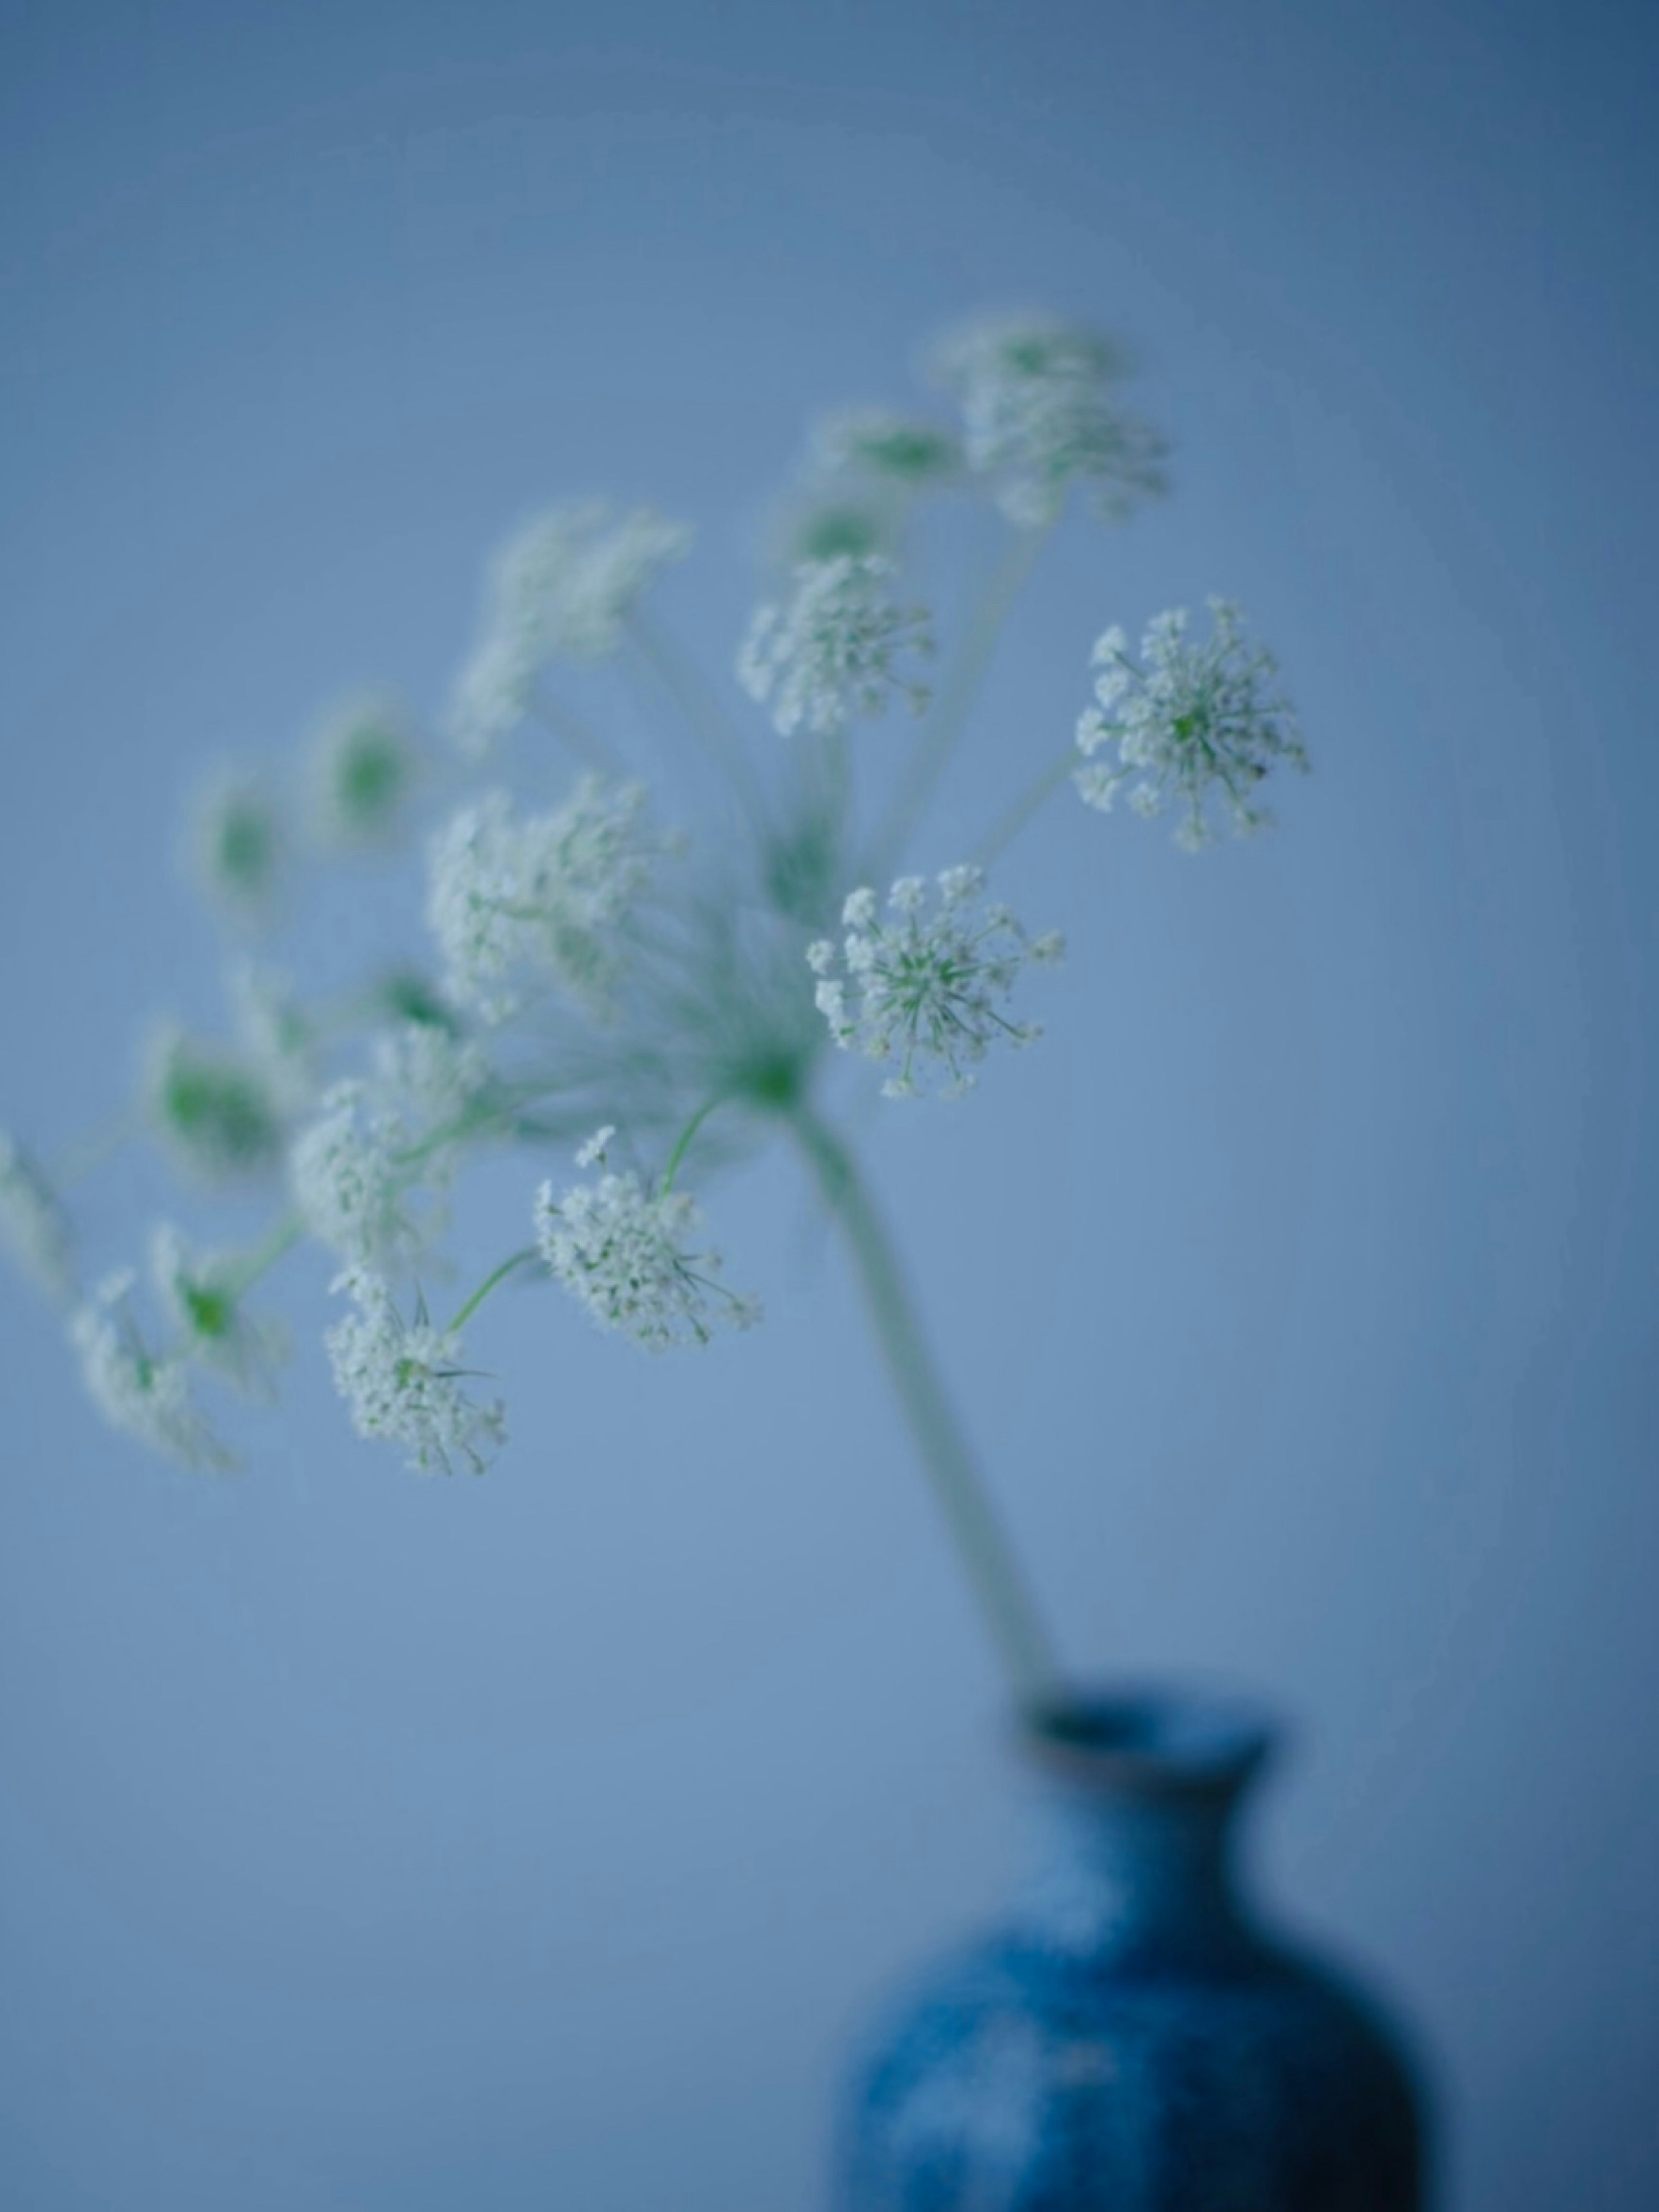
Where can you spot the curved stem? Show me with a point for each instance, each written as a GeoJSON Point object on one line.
{"type": "Point", "coordinates": [946, 1453]}
{"type": "Point", "coordinates": [958, 693]}
{"type": "Point", "coordinates": [685, 1136]}
{"type": "Point", "coordinates": [283, 1235]}
{"type": "Point", "coordinates": [497, 1275]}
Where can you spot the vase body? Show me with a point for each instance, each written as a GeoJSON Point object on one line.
{"type": "Point", "coordinates": [1129, 2039]}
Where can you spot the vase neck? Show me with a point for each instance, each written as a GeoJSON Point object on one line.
{"type": "Point", "coordinates": [1132, 1821]}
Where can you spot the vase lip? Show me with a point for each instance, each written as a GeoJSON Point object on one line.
{"type": "Point", "coordinates": [1150, 1739]}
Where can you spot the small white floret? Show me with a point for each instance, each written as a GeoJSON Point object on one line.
{"type": "Point", "coordinates": [364, 765]}
{"type": "Point", "coordinates": [547, 893]}
{"type": "Point", "coordinates": [927, 988]}
{"type": "Point", "coordinates": [402, 1380]}
{"type": "Point", "coordinates": [136, 1389]}
{"type": "Point", "coordinates": [201, 1293]}
{"type": "Point", "coordinates": [1041, 412]}
{"type": "Point", "coordinates": [833, 654]}
{"type": "Point", "coordinates": [626, 1253]}
{"type": "Point", "coordinates": [1194, 725]}
{"type": "Point", "coordinates": [348, 1183]}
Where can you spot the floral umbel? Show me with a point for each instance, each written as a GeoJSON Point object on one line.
{"type": "Point", "coordinates": [834, 653]}
{"type": "Point", "coordinates": [926, 986]}
{"type": "Point", "coordinates": [626, 1253]}
{"type": "Point", "coordinates": [578, 965]}
{"type": "Point", "coordinates": [1192, 727]}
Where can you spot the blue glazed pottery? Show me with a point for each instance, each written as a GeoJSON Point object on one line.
{"type": "Point", "coordinates": [1130, 2038]}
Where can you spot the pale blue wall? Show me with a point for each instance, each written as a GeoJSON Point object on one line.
{"type": "Point", "coordinates": [375, 1845]}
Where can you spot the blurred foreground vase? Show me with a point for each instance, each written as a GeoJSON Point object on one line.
{"type": "Point", "coordinates": [1128, 2038]}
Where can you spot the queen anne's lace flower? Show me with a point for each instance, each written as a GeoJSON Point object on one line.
{"type": "Point", "coordinates": [203, 1299]}
{"type": "Point", "coordinates": [560, 588]}
{"type": "Point", "coordinates": [926, 987]}
{"type": "Point", "coordinates": [276, 1034]}
{"type": "Point", "coordinates": [624, 1251]}
{"type": "Point", "coordinates": [904, 451]}
{"type": "Point", "coordinates": [363, 767]}
{"type": "Point", "coordinates": [429, 1066]}
{"type": "Point", "coordinates": [1189, 722]}
{"type": "Point", "coordinates": [348, 1183]}
{"type": "Point", "coordinates": [135, 1389]}
{"type": "Point", "coordinates": [1039, 412]}
{"type": "Point", "coordinates": [33, 1222]}
{"type": "Point", "coordinates": [402, 1381]}
{"type": "Point", "coordinates": [832, 653]}
{"type": "Point", "coordinates": [237, 841]}
{"type": "Point", "coordinates": [216, 1111]}
{"type": "Point", "coordinates": [549, 892]}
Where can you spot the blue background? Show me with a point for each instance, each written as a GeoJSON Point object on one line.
{"type": "Point", "coordinates": [368, 1843]}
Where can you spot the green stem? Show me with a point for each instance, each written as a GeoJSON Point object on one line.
{"type": "Point", "coordinates": [684, 1141]}
{"type": "Point", "coordinates": [1005, 830]}
{"type": "Point", "coordinates": [497, 1275]}
{"type": "Point", "coordinates": [956, 694]}
{"type": "Point", "coordinates": [589, 747]}
{"type": "Point", "coordinates": [284, 1233]}
{"type": "Point", "coordinates": [946, 1453]}
{"type": "Point", "coordinates": [703, 712]}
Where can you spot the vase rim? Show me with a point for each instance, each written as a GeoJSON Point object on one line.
{"type": "Point", "coordinates": [1150, 1739]}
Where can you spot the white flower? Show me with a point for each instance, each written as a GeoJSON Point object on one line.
{"type": "Point", "coordinates": [491, 695]}
{"type": "Point", "coordinates": [1039, 412]}
{"type": "Point", "coordinates": [135, 1390]}
{"type": "Point", "coordinates": [33, 1222]}
{"type": "Point", "coordinates": [348, 1183]}
{"type": "Point", "coordinates": [402, 1381]}
{"type": "Point", "coordinates": [426, 1066]}
{"type": "Point", "coordinates": [238, 840]}
{"type": "Point", "coordinates": [566, 582]}
{"type": "Point", "coordinates": [202, 1296]}
{"type": "Point", "coordinates": [549, 892]}
{"type": "Point", "coordinates": [364, 766]}
{"type": "Point", "coordinates": [926, 987]}
{"type": "Point", "coordinates": [560, 588]}
{"type": "Point", "coordinates": [831, 654]}
{"type": "Point", "coordinates": [905, 452]}
{"type": "Point", "coordinates": [276, 1034]}
{"type": "Point", "coordinates": [1190, 722]}
{"type": "Point", "coordinates": [625, 1251]}
{"type": "Point", "coordinates": [216, 1111]}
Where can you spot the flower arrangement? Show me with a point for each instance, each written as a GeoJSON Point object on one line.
{"type": "Point", "coordinates": [655, 1002]}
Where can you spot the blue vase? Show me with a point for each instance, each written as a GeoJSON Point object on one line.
{"type": "Point", "coordinates": [1130, 2038]}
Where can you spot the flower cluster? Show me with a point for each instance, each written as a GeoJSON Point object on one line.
{"type": "Point", "coordinates": [363, 767]}
{"type": "Point", "coordinates": [216, 1111]}
{"type": "Point", "coordinates": [625, 1251]}
{"type": "Point", "coordinates": [832, 653]}
{"type": "Point", "coordinates": [349, 1180]}
{"type": "Point", "coordinates": [926, 987]}
{"type": "Point", "coordinates": [237, 842]}
{"type": "Point", "coordinates": [1040, 413]}
{"type": "Point", "coordinates": [904, 451]}
{"type": "Point", "coordinates": [137, 1390]}
{"type": "Point", "coordinates": [402, 1380]}
{"type": "Point", "coordinates": [201, 1294]}
{"type": "Point", "coordinates": [33, 1222]}
{"type": "Point", "coordinates": [560, 588]}
{"type": "Point", "coordinates": [548, 892]}
{"type": "Point", "coordinates": [1189, 722]}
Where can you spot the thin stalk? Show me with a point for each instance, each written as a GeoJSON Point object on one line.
{"type": "Point", "coordinates": [1008, 827]}
{"type": "Point", "coordinates": [589, 747]}
{"type": "Point", "coordinates": [282, 1236]}
{"type": "Point", "coordinates": [956, 694]}
{"type": "Point", "coordinates": [703, 712]}
{"type": "Point", "coordinates": [685, 1136]}
{"type": "Point", "coordinates": [946, 1454]}
{"type": "Point", "coordinates": [497, 1275]}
